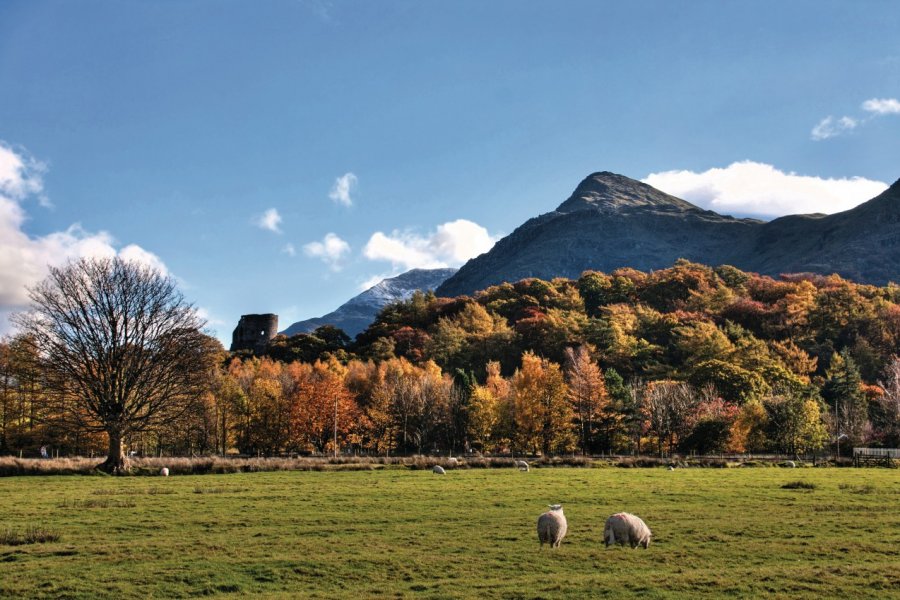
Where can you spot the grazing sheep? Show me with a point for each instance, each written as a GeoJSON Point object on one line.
{"type": "Point", "coordinates": [438, 470]}
{"type": "Point", "coordinates": [164, 471]}
{"type": "Point", "coordinates": [671, 467]}
{"type": "Point", "coordinates": [790, 464]}
{"type": "Point", "coordinates": [522, 465]}
{"type": "Point", "coordinates": [624, 528]}
{"type": "Point", "coordinates": [552, 526]}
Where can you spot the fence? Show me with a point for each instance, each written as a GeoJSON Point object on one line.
{"type": "Point", "coordinates": [879, 456]}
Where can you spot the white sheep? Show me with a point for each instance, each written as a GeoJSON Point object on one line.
{"type": "Point", "coordinates": [790, 464]}
{"type": "Point", "coordinates": [438, 470]}
{"type": "Point", "coordinates": [552, 526]}
{"type": "Point", "coordinates": [164, 471]}
{"type": "Point", "coordinates": [522, 465]}
{"type": "Point", "coordinates": [625, 528]}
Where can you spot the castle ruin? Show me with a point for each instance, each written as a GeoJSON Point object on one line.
{"type": "Point", "coordinates": [254, 332]}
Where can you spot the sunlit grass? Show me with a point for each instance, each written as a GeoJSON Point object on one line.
{"type": "Point", "coordinates": [407, 533]}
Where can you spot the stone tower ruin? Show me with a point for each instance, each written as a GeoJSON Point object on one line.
{"type": "Point", "coordinates": [254, 332]}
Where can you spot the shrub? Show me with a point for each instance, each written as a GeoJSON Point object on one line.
{"type": "Point", "coordinates": [799, 485]}
{"type": "Point", "coordinates": [32, 535]}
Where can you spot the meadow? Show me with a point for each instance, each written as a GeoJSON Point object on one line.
{"type": "Point", "coordinates": [401, 533]}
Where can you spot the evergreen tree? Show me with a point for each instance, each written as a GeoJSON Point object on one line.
{"type": "Point", "coordinates": [844, 394]}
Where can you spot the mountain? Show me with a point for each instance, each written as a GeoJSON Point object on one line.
{"type": "Point", "coordinates": [612, 221]}
{"type": "Point", "coordinates": [359, 312]}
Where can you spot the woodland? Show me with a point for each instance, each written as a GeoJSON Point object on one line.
{"type": "Point", "coordinates": [690, 359]}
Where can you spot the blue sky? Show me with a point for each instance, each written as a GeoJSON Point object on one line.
{"type": "Point", "coordinates": [277, 156]}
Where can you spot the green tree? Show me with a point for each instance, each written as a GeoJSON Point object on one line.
{"type": "Point", "coordinates": [794, 424]}
{"type": "Point", "coordinates": [621, 422]}
{"type": "Point", "coordinates": [734, 383]}
{"type": "Point", "coordinates": [844, 394]}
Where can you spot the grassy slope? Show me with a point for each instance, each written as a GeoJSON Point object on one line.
{"type": "Point", "coordinates": [397, 533]}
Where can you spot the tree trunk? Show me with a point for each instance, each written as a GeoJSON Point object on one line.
{"type": "Point", "coordinates": [115, 463]}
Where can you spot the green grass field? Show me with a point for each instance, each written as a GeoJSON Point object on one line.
{"type": "Point", "coordinates": [470, 534]}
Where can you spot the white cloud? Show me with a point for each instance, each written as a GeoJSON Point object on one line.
{"type": "Point", "coordinates": [20, 174]}
{"type": "Point", "coordinates": [340, 191]}
{"type": "Point", "coordinates": [24, 259]}
{"type": "Point", "coordinates": [289, 249]}
{"type": "Point", "coordinates": [753, 188]}
{"type": "Point", "coordinates": [331, 250]}
{"type": "Point", "coordinates": [134, 253]}
{"type": "Point", "coordinates": [882, 106]}
{"type": "Point", "coordinates": [830, 127]}
{"type": "Point", "coordinates": [211, 320]}
{"type": "Point", "coordinates": [451, 244]}
{"type": "Point", "coordinates": [269, 220]}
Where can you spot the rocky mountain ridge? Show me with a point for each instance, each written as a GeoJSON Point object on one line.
{"type": "Point", "coordinates": [612, 221]}
{"type": "Point", "coordinates": [358, 313]}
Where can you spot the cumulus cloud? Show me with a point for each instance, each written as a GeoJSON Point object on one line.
{"type": "Point", "coordinates": [134, 253]}
{"type": "Point", "coordinates": [882, 106]}
{"type": "Point", "coordinates": [752, 188]}
{"type": "Point", "coordinates": [20, 173]}
{"type": "Point", "coordinates": [451, 244]}
{"type": "Point", "coordinates": [830, 126]}
{"type": "Point", "coordinates": [331, 250]}
{"type": "Point", "coordinates": [340, 191]}
{"type": "Point", "coordinates": [269, 220]}
{"type": "Point", "coordinates": [24, 259]}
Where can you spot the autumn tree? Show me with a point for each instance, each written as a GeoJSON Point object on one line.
{"type": "Point", "coordinates": [7, 390]}
{"type": "Point", "coordinates": [24, 418]}
{"type": "Point", "coordinates": [587, 390]}
{"type": "Point", "coordinates": [484, 414]}
{"type": "Point", "coordinates": [267, 409]}
{"type": "Point", "coordinates": [543, 413]}
{"type": "Point", "coordinates": [323, 411]}
{"type": "Point", "coordinates": [373, 390]}
{"type": "Point", "coordinates": [709, 424]}
{"type": "Point", "coordinates": [121, 350]}
{"type": "Point", "coordinates": [748, 428]}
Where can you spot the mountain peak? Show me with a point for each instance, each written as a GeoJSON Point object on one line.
{"type": "Point", "coordinates": [610, 191]}
{"type": "Point", "coordinates": [612, 221]}
{"type": "Point", "coordinates": [358, 313]}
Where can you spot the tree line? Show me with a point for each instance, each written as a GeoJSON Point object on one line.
{"type": "Point", "coordinates": [686, 359]}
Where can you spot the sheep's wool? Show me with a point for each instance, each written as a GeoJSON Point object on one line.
{"type": "Point", "coordinates": [552, 527]}
{"type": "Point", "coordinates": [625, 528]}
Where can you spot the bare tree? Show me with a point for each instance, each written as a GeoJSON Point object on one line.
{"type": "Point", "coordinates": [122, 351]}
{"type": "Point", "coordinates": [667, 404]}
{"type": "Point", "coordinates": [887, 406]}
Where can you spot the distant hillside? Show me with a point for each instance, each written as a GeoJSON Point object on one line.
{"type": "Point", "coordinates": [359, 312]}
{"type": "Point", "coordinates": [612, 221]}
